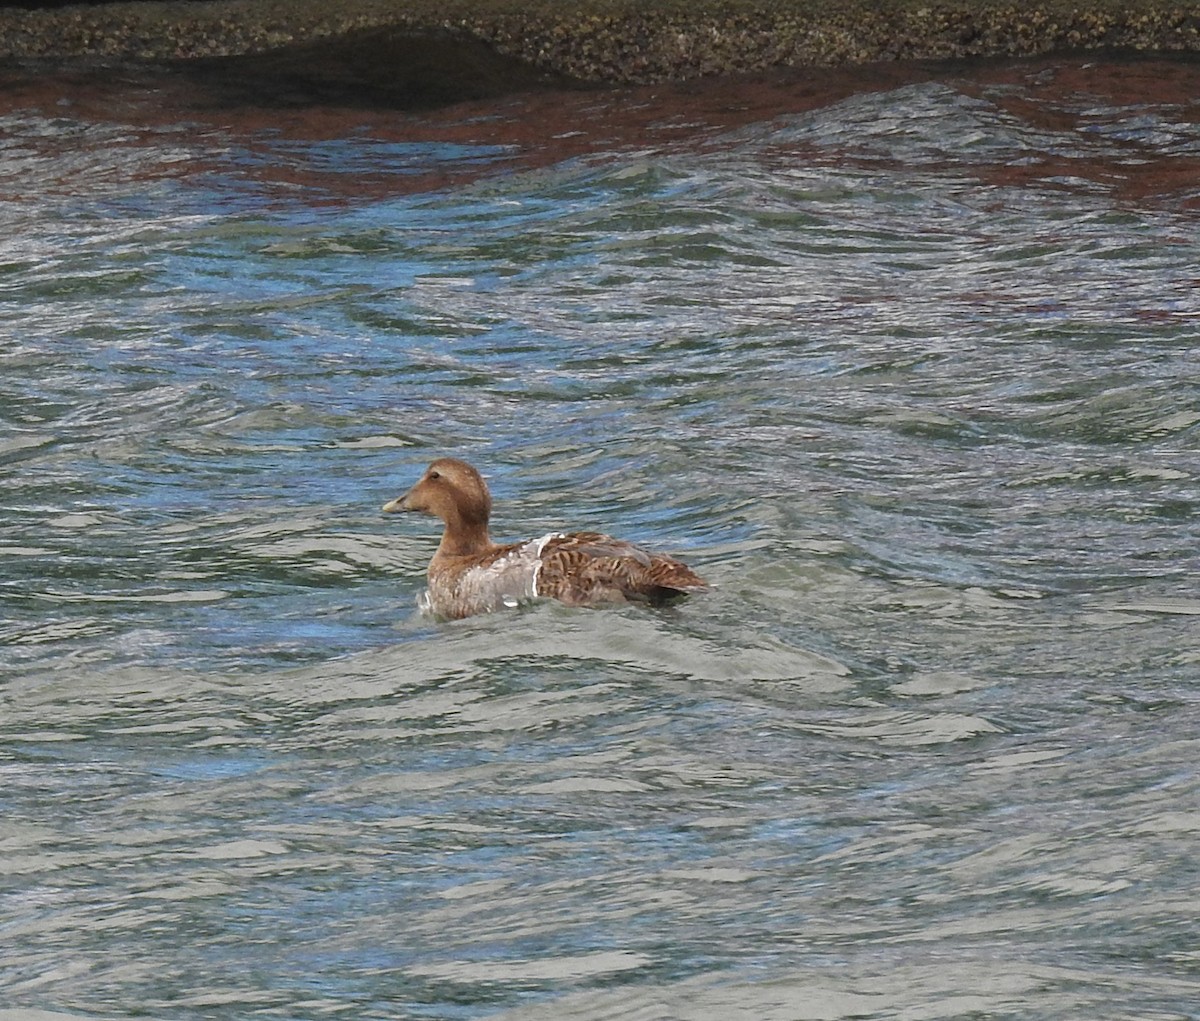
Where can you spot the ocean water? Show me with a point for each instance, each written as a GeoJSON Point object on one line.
{"type": "Point", "coordinates": [907, 366]}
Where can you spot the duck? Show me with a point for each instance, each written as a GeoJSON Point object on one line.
{"type": "Point", "coordinates": [469, 574]}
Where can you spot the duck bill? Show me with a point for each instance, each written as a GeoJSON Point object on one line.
{"type": "Point", "coordinates": [397, 505]}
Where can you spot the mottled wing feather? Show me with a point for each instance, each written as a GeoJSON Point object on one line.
{"type": "Point", "coordinates": [602, 547]}
{"type": "Point", "coordinates": [588, 568]}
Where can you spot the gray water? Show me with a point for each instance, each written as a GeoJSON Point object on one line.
{"type": "Point", "coordinates": [913, 380]}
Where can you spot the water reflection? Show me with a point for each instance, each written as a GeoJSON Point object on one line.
{"type": "Point", "coordinates": [905, 371]}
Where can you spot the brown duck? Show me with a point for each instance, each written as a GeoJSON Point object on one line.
{"type": "Point", "coordinates": [470, 574]}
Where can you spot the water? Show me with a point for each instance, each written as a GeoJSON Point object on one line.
{"type": "Point", "coordinates": [908, 368]}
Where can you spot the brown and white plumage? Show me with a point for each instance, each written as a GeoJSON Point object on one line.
{"type": "Point", "coordinates": [470, 574]}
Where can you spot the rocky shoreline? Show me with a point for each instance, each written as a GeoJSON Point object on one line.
{"type": "Point", "coordinates": [612, 41]}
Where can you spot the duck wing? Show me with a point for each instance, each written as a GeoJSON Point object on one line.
{"type": "Point", "coordinates": [589, 568]}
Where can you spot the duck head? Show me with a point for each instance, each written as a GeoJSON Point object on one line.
{"type": "Point", "coordinates": [455, 492]}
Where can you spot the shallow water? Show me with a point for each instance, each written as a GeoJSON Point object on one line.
{"type": "Point", "coordinates": [907, 368]}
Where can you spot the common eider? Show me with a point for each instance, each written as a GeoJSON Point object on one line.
{"type": "Point", "coordinates": [470, 574]}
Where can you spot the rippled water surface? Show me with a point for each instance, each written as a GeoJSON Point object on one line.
{"type": "Point", "coordinates": [909, 369]}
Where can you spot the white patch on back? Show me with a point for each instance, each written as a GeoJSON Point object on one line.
{"type": "Point", "coordinates": [506, 582]}
{"type": "Point", "coordinates": [539, 545]}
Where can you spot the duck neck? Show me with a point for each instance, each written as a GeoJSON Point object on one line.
{"type": "Point", "coordinates": [464, 537]}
